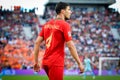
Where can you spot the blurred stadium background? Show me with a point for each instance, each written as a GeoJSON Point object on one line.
{"type": "Point", "coordinates": [95, 30]}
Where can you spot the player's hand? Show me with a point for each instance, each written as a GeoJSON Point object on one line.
{"type": "Point", "coordinates": [36, 68]}
{"type": "Point", "coordinates": [81, 67]}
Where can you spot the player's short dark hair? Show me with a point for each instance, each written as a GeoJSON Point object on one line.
{"type": "Point", "coordinates": [60, 6]}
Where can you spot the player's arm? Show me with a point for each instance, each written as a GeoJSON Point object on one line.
{"type": "Point", "coordinates": [73, 52]}
{"type": "Point", "coordinates": [36, 48]}
{"type": "Point", "coordinates": [93, 63]}
{"type": "Point", "coordinates": [36, 51]}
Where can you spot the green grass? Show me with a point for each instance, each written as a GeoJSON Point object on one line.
{"type": "Point", "coordinates": [36, 77]}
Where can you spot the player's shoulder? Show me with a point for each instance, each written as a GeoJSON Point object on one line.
{"type": "Point", "coordinates": [49, 22]}
{"type": "Point", "coordinates": [87, 59]}
{"type": "Point", "coordinates": [62, 22]}
{"type": "Point", "coordinates": [65, 22]}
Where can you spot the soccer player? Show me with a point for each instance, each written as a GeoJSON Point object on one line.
{"type": "Point", "coordinates": [88, 68]}
{"type": "Point", "coordinates": [56, 33]}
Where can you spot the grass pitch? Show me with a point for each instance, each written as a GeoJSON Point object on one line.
{"type": "Point", "coordinates": [39, 77]}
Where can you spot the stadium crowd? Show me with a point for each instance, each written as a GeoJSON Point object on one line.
{"type": "Point", "coordinates": [91, 31]}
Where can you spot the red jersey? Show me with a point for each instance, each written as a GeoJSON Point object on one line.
{"type": "Point", "coordinates": [55, 34]}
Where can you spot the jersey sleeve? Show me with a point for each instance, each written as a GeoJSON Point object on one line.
{"type": "Point", "coordinates": [41, 32]}
{"type": "Point", "coordinates": [67, 32]}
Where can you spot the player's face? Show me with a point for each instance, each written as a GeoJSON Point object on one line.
{"type": "Point", "coordinates": [67, 13]}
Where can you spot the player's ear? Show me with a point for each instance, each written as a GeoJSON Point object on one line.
{"type": "Point", "coordinates": [63, 11]}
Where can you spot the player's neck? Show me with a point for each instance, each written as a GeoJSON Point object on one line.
{"type": "Point", "coordinates": [60, 17]}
